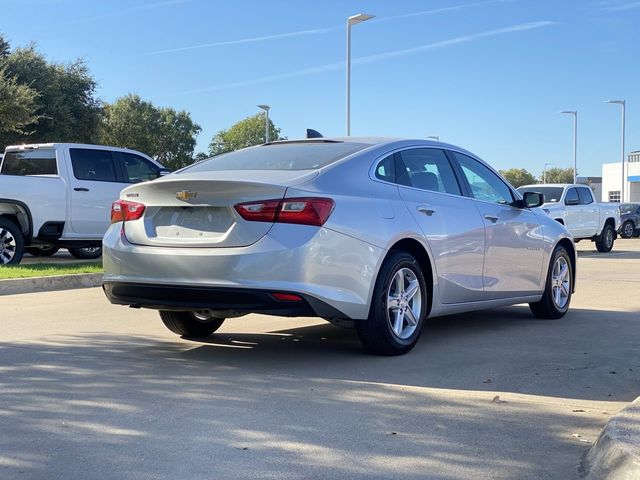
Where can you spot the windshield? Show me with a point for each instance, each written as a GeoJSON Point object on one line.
{"type": "Point", "coordinates": [629, 208]}
{"type": "Point", "coordinates": [285, 156]}
{"type": "Point", "coordinates": [550, 194]}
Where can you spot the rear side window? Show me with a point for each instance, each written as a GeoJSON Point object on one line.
{"type": "Point", "coordinates": [572, 197]}
{"type": "Point", "coordinates": [135, 168]}
{"type": "Point", "coordinates": [386, 169]}
{"type": "Point", "coordinates": [427, 169]}
{"type": "Point", "coordinates": [585, 196]}
{"type": "Point", "coordinates": [94, 165]}
{"type": "Point", "coordinates": [30, 162]}
{"type": "Point", "coordinates": [284, 156]}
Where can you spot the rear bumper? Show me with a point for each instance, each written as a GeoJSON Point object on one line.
{"type": "Point", "coordinates": [324, 267]}
{"type": "Point", "coordinates": [225, 301]}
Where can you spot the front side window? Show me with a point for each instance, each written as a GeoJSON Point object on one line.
{"type": "Point", "coordinates": [30, 162]}
{"type": "Point", "coordinates": [95, 165]}
{"type": "Point", "coordinates": [427, 169]}
{"type": "Point", "coordinates": [136, 169]}
{"type": "Point", "coordinates": [485, 185]}
{"type": "Point", "coordinates": [572, 197]}
{"type": "Point", "coordinates": [585, 196]}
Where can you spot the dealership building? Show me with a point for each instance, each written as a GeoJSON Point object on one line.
{"type": "Point", "coordinates": [612, 180]}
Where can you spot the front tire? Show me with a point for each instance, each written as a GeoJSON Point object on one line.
{"type": "Point", "coordinates": [86, 253]}
{"type": "Point", "coordinates": [627, 229]}
{"type": "Point", "coordinates": [191, 324]}
{"type": "Point", "coordinates": [11, 243]}
{"type": "Point", "coordinates": [559, 287]}
{"type": "Point", "coordinates": [398, 308]}
{"type": "Point", "coordinates": [604, 242]}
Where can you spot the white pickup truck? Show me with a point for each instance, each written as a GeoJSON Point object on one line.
{"type": "Point", "coordinates": [57, 195]}
{"type": "Point", "coordinates": [575, 207]}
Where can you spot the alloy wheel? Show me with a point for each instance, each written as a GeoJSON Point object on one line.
{"type": "Point", "coordinates": [560, 282]}
{"type": "Point", "coordinates": [404, 303]}
{"type": "Point", "coordinates": [628, 230]}
{"type": "Point", "coordinates": [8, 246]}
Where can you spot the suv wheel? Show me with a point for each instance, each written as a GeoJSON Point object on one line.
{"type": "Point", "coordinates": [627, 229]}
{"type": "Point", "coordinates": [11, 243]}
{"type": "Point", "coordinates": [604, 242]}
{"type": "Point", "coordinates": [398, 307]}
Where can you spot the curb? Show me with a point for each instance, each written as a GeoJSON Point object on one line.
{"type": "Point", "coordinates": [48, 284]}
{"type": "Point", "coordinates": [616, 453]}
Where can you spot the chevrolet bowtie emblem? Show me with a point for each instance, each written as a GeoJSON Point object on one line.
{"type": "Point", "coordinates": [186, 195]}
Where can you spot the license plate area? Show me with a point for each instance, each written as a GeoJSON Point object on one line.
{"type": "Point", "coordinates": [198, 223]}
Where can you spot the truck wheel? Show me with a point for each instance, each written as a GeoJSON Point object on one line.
{"type": "Point", "coordinates": [558, 288]}
{"type": "Point", "coordinates": [86, 253]}
{"type": "Point", "coordinates": [627, 229]}
{"type": "Point", "coordinates": [604, 242]}
{"type": "Point", "coordinates": [44, 251]}
{"type": "Point", "coordinates": [191, 324]}
{"type": "Point", "coordinates": [11, 243]}
{"type": "Point", "coordinates": [398, 307]}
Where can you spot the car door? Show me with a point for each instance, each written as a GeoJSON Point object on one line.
{"type": "Point", "coordinates": [94, 187]}
{"type": "Point", "coordinates": [514, 240]}
{"type": "Point", "coordinates": [573, 218]}
{"type": "Point", "coordinates": [589, 215]}
{"type": "Point", "coordinates": [450, 223]}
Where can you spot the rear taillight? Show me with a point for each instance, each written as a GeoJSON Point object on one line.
{"type": "Point", "coordinates": [124, 211]}
{"type": "Point", "coordinates": [303, 211]}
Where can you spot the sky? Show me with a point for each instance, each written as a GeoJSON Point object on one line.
{"type": "Point", "coordinates": [487, 75]}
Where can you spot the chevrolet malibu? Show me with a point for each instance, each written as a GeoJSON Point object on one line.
{"type": "Point", "coordinates": [378, 233]}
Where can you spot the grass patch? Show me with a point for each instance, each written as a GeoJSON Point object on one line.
{"type": "Point", "coordinates": [48, 270]}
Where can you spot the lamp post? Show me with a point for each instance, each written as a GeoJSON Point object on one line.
{"type": "Point", "coordinates": [544, 172]}
{"type": "Point", "coordinates": [435, 137]}
{"type": "Point", "coordinates": [353, 20]}
{"type": "Point", "coordinates": [575, 142]}
{"type": "Point", "coordinates": [621, 102]}
{"type": "Point", "coordinates": [266, 122]}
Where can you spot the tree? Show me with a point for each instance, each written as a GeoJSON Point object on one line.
{"type": "Point", "coordinates": [163, 133]}
{"type": "Point", "coordinates": [245, 133]}
{"type": "Point", "coordinates": [558, 175]}
{"type": "Point", "coordinates": [66, 109]}
{"type": "Point", "coordinates": [17, 106]}
{"type": "Point", "coordinates": [518, 176]}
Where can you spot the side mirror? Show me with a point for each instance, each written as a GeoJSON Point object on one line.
{"type": "Point", "coordinates": [163, 172]}
{"type": "Point", "coordinates": [532, 199]}
{"type": "Point", "coordinates": [572, 201]}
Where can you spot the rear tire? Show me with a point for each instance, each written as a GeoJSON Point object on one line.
{"type": "Point", "coordinates": [45, 251]}
{"type": "Point", "coordinates": [627, 229]}
{"type": "Point", "coordinates": [190, 324]}
{"type": "Point", "coordinates": [11, 243]}
{"type": "Point", "coordinates": [558, 288]}
{"type": "Point", "coordinates": [604, 242]}
{"type": "Point", "coordinates": [398, 307]}
{"type": "Point", "coordinates": [86, 253]}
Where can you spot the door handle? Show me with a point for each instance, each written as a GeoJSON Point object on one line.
{"type": "Point", "coordinates": [491, 218]}
{"type": "Point", "coordinates": [81, 189]}
{"type": "Point", "coordinates": [428, 211]}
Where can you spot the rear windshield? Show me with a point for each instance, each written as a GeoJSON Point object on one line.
{"type": "Point", "coordinates": [29, 162]}
{"type": "Point", "coordinates": [550, 194]}
{"type": "Point", "coordinates": [286, 156]}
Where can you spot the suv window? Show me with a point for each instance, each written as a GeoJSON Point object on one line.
{"type": "Point", "coordinates": [585, 195]}
{"type": "Point", "coordinates": [427, 169]}
{"type": "Point", "coordinates": [95, 165]}
{"type": "Point", "coordinates": [572, 197]}
{"type": "Point", "coordinates": [136, 169]}
{"type": "Point", "coordinates": [30, 162]}
{"type": "Point", "coordinates": [485, 185]}
{"type": "Point", "coordinates": [386, 169]}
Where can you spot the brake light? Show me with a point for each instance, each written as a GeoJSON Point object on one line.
{"type": "Point", "coordinates": [124, 211]}
{"type": "Point", "coordinates": [302, 211]}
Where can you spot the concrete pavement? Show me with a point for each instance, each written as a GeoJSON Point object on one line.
{"type": "Point", "coordinates": [90, 390]}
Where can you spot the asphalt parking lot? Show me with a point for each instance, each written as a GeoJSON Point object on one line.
{"type": "Point", "coordinates": [92, 391]}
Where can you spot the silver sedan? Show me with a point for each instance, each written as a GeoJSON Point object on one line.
{"type": "Point", "coordinates": [378, 233]}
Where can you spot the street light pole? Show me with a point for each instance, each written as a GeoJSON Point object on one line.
{"type": "Point", "coordinates": [621, 102]}
{"type": "Point", "coordinates": [575, 142]}
{"type": "Point", "coordinates": [435, 137]}
{"type": "Point", "coordinates": [353, 20]}
{"type": "Point", "coordinates": [266, 122]}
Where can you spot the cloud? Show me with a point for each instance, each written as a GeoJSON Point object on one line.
{"type": "Point", "coordinates": [522, 27]}
{"type": "Point", "coordinates": [244, 40]}
{"type": "Point", "coordinates": [434, 11]}
{"type": "Point", "coordinates": [620, 7]}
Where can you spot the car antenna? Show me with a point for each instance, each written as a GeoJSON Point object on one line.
{"type": "Point", "coordinates": [311, 133]}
